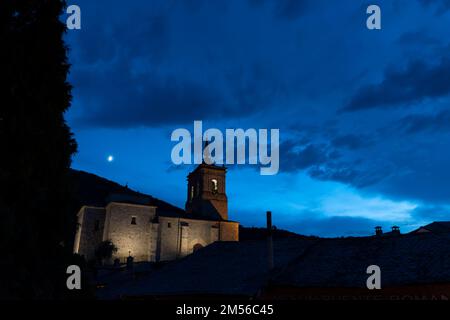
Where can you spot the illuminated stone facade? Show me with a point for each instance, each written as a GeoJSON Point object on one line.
{"type": "Point", "coordinates": [140, 231]}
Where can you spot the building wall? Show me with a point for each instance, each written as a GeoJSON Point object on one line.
{"type": "Point", "coordinates": [130, 239]}
{"type": "Point", "coordinates": [154, 242]}
{"type": "Point", "coordinates": [169, 239]}
{"type": "Point", "coordinates": [198, 232]}
{"type": "Point", "coordinates": [229, 231]}
{"type": "Point", "coordinates": [91, 221]}
{"type": "Point", "coordinates": [150, 239]}
{"type": "Point", "coordinates": [179, 239]}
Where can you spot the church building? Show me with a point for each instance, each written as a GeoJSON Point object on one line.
{"type": "Point", "coordinates": [140, 230]}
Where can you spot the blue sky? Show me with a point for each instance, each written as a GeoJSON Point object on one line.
{"type": "Point", "coordinates": [364, 115]}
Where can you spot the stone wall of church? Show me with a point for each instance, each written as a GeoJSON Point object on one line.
{"type": "Point", "coordinates": [199, 233]}
{"type": "Point", "coordinates": [130, 228]}
{"type": "Point", "coordinates": [134, 231]}
{"type": "Point", "coordinates": [89, 235]}
{"type": "Point", "coordinates": [154, 242]}
{"type": "Point", "coordinates": [169, 233]}
{"type": "Point", "coordinates": [178, 237]}
{"type": "Point", "coordinates": [229, 231]}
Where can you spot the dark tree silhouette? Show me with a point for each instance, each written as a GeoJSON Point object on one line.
{"type": "Point", "coordinates": [105, 250]}
{"type": "Point", "coordinates": [36, 147]}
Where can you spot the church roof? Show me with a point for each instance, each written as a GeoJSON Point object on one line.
{"type": "Point", "coordinates": [185, 215]}
{"type": "Point", "coordinates": [164, 211]}
{"type": "Point", "coordinates": [162, 208]}
{"type": "Point", "coordinates": [240, 268]}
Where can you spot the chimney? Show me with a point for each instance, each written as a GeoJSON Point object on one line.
{"type": "Point", "coordinates": [269, 241]}
{"type": "Point", "coordinates": [395, 230]}
{"type": "Point", "coordinates": [378, 231]}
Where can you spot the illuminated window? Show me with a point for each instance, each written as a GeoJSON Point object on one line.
{"type": "Point", "coordinates": [133, 220]}
{"type": "Point", "coordinates": [192, 192]}
{"type": "Point", "coordinates": [214, 186]}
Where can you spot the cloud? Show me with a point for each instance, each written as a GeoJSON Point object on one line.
{"type": "Point", "coordinates": [330, 162]}
{"type": "Point", "coordinates": [276, 64]}
{"type": "Point", "coordinates": [430, 213]}
{"type": "Point", "coordinates": [417, 82]}
{"type": "Point", "coordinates": [348, 174]}
{"type": "Point", "coordinates": [179, 62]}
{"type": "Point", "coordinates": [142, 101]}
{"type": "Point", "coordinates": [352, 141]}
{"type": "Point", "coordinates": [435, 122]}
{"type": "Point", "coordinates": [418, 38]}
{"type": "Point", "coordinates": [440, 6]}
{"type": "Point", "coordinates": [295, 158]}
{"type": "Point", "coordinates": [291, 9]}
{"type": "Point", "coordinates": [283, 9]}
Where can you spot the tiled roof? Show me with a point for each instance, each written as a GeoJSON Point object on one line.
{"type": "Point", "coordinates": [240, 268]}
{"type": "Point", "coordinates": [234, 268]}
{"type": "Point", "coordinates": [404, 260]}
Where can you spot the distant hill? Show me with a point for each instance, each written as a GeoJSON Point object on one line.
{"type": "Point", "coordinates": [90, 189]}
{"type": "Point", "coordinates": [253, 233]}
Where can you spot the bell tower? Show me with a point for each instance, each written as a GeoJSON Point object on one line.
{"type": "Point", "coordinates": [206, 192]}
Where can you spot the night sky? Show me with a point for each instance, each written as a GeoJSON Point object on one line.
{"type": "Point", "coordinates": [364, 115]}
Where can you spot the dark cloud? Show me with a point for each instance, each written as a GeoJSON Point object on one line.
{"type": "Point", "coordinates": [439, 6]}
{"type": "Point", "coordinates": [418, 38]}
{"type": "Point", "coordinates": [436, 122]}
{"type": "Point", "coordinates": [425, 177]}
{"type": "Point", "coordinates": [311, 155]}
{"type": "Point", "coordinates": [417, 82]}
{"type": "Point", "coordinates": [432, 213]}
{"type": "Point", "coordinates": [294, 158]}
{"type": "Point", "coordinates": [331, 161]}
{"type": "Point", "coordinates": [283, 9]}
{"type": "Point", "coordinates": [256, 3]}
{"type": "Point", "coordinates": [358, 173]}
{"type": "Point", "coordinates": [278, 64]}
{"type": "Point", "coordinates": [291, 9]}
{"type": "Point", "coordinates": [145, 101]}
{"type": "Point", "coordinates": [352, 141]}
{"type": "Point", "coordinates": [172, 64]}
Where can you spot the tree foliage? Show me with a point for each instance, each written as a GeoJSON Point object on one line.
{"type": "Point", "coordinates": [37, 146]}
{"type": "Point", "coordinates": [105, 250]}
